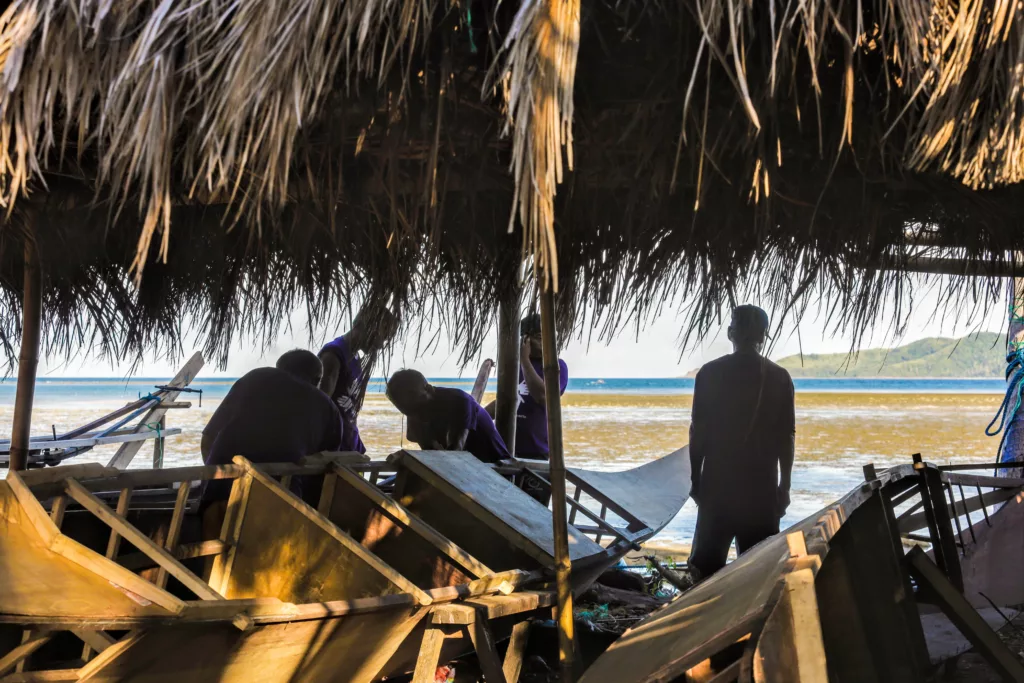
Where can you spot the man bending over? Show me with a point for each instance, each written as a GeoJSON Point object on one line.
{"type": "Point", "coordinates": [445, 419]}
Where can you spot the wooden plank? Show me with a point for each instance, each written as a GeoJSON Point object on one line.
{"type": "Point", "coordinates": [163, 558]}
{"type": "Point", "coordinates": [30, 505]}
{"type": "Point", "coordinates": [914, 522]}
{"type": "Point", "coordinates": [187, 551]}
{"type": "Point", "coordinates": [327, 494]}
{"type": "Point", "coordinates": [174, 531]}
{"type": "Point", "coordinates": [95, 640]}
{"type": "Point", "coordinates": [394, 510]}
{"type": "Point", "coordinates": [486, 650]}
{"type": "Point", "coordinates": [965, 617]}
{"type": "Point", "coordinates": [238, 500]}
{"type": "Point", "coordinates": [513, 665]}
{"type": "Point", "coordinates": [113, 652]}
{"type": "Point", "coordinates": [127, 452]}
{"type": "Point", "coordinates": [57, 510]}
{"type": "Point", "coordinates": [89, 442]}
{"type": "Point", "coordinates": [429, 656]}
{"type": "Point", "coordinates": [982, 480]}
{"type": "Point", "coordinates": [49, 475]}
{"type": "Point", "coordinates": [115, 574]}
{"type": "Point", "coordinates": [34, 641]}
{"type": "Point", "coordinates": [324, 525]}
{"type": "Point", "coordinates": [497, 503]}
{"type": "Point", "coordinates": [140, 479]}
{"type": "Point", "coordinates": [42, 676]}
{"type": "Point", "coordinates": [790, 647]}
{"type": "Point", "coordinates": [114, 542]}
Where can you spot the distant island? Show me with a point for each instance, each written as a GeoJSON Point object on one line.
{"type": "Point", "coordinates": [977, 355]}
{"type": "Point", "coordinates": [974, 356]}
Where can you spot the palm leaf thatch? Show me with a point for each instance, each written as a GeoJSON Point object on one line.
{"type": "Point", "coordinates": [221, 162]}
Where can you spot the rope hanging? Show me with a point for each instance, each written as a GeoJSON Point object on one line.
{"type": "Point", "coordinates": [1014, 387]}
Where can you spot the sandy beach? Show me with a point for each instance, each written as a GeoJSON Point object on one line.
{"type": "Point", "coordinates": [837, 433]}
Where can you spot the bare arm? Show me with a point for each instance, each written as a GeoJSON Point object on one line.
{"type": "Point", "coordinates": [696, 442]}
{"type": "Point", "coordinates": [205, 444]}
{"type": "Point", "coordinates": [332, 367]}
{"type": "Point", "coordinates": [457, 442]}
{"type": "Point", "coordinates": [787, 456]}
{"type": "Point", "coordinates": [534, 382]}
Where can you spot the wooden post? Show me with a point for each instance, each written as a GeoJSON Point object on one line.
{"type": "Point", "coordinates": [28, 359]}
{"type": "Point", "coordinates": [158, 444]}
{"type": "Point", "coordinates": [509, 341]}
{"type": "Point", "coordinates": [563, 565]}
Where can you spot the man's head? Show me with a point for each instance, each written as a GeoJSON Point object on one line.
{"type": "Point", "coordinates": [302, 364]}
{"type": "Point", "coordinates": [748, 328]}
{"type": "Point", "coordinates": [373, 327]}
{"type": "Point", "coordinates": [529, 328]}
{"type": "Point", "coordinates": [409, 391]}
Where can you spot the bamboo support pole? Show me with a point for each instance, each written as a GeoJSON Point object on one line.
{"type": "Point", "coordinates": [28, 359]}
{"type": "Point", "coordinates": [563, 565]}
{"type": "Point", "coordinates": [509, 341]}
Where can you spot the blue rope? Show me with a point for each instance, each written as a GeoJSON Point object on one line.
{"type": "Point", "coordinates": [1014, 392]}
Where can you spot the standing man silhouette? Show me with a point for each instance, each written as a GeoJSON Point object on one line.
{"type": "Point", "coordinates": [742, 433]}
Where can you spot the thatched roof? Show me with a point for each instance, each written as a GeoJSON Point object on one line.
{"type": "Point", "coordinates": [239, 157]}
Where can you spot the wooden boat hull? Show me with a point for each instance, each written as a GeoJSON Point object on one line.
{"type": "Point", "coordinates": [353, 649]}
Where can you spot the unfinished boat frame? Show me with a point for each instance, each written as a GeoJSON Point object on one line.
{"type": "Point", "coordinates": [837, 597]}
{"type": "Point", "coordinates": [112, 577]}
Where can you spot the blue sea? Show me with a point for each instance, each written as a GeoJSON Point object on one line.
{"type": "Point", "coordinates": [58, 389]}
{"type": "Point", "coordinates": [616, 424]}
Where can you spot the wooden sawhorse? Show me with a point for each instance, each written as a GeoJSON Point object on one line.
{"type": "Point", "coordinates": [472, 618]}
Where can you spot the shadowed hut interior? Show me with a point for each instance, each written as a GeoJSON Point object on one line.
{"type": "Point", "coordinates": [236, 160]}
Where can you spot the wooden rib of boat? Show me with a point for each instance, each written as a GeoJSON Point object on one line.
{"type": "Point", "coordinates": [99, 588]}
{"type": "Point", "coordinates": [831, 599]}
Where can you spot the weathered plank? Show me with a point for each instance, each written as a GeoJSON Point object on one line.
{"type": "Point", "coordinates": [163, 558]}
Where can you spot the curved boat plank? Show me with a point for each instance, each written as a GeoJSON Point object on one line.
{"type": "Point", "coordinates": [653, 493]}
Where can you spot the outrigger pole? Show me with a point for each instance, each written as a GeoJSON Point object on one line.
{"type": "Point", "coordinates": [563, 565]}
{"type": "Point", "coordinates": [28, 358]}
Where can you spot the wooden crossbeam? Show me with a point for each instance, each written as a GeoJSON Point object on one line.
{"type": "Point", "coordinates": [187, 551]}
{"type": "Point", "coordinates": [599, 520]}
{"type": "Point", "coordinates": [114, 542]}
{"type": "Point", "coordinates": [94, 640]}
{"type": "Point", "coordinates": [965, 617]}
{"type": "Point", "coordinates": [399, 514]}
{"type": "Point", "coordinates": [912, 522]}
{"type": "Point", "coordinates": [174, 532]}
{"type": "Point", "coordinates": [163, 558]}
{"type": "Point", "coordinates": [30, 644]}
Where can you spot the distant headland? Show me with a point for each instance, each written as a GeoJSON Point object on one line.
{"type": "Point", "coordinates": [978, 355]}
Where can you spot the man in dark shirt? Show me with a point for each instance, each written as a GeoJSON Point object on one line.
{"type": "Point", "coordinates": [346, 373]}
{"type": "Point", "coordinates": [273, 415]}
{"type": "Point", "coordinates": [445, 419]}
{"type": "Point", "coordinates": [741, 437]}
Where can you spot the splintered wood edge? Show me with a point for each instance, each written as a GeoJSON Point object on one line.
{"type": "Point", "coordinates": [343, 538]}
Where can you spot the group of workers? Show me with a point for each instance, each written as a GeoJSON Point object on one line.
{"type": "Point", "coordinates": [310, 403]}
{"type": "Point", "coordinates": [741, 431]}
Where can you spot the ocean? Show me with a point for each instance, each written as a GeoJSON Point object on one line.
{"type": "Point", "coordinates": [615, 424]}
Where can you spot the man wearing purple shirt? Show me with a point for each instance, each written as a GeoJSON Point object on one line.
{"type": "Point", "coordinates": [445, 419]}
{"type": "Point", "coordinates": [532, 414]}
{"type": "Point", "coordinates": [346, 373]}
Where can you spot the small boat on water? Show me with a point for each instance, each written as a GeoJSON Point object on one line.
{"type": "Point", "coordinates": [114, 575]}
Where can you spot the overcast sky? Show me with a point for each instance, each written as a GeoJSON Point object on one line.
{"type": "Point", "coordinates": [655, 353]}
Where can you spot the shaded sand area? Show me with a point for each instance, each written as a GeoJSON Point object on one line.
{"type": "Point", "coordinates": [837, 433]}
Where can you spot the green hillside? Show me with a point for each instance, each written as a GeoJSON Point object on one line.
{"type": "Point", "coordinates": [978, 355]}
